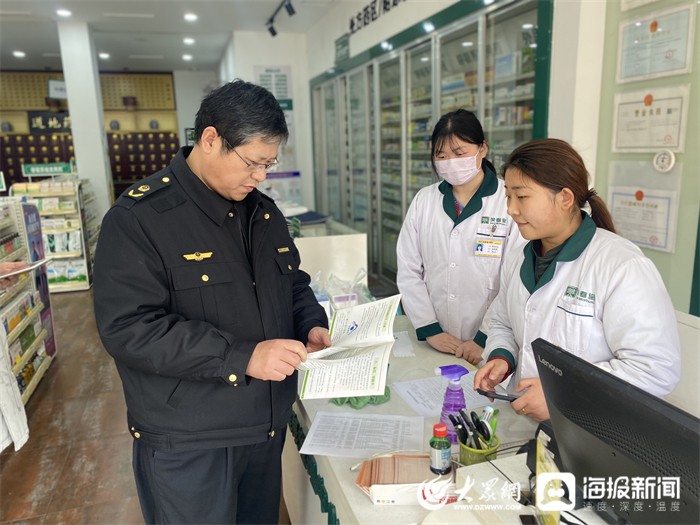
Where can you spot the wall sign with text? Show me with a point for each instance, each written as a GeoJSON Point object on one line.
{"type": "Point", "coordinates": [371, 12]}
{"type": "Point", "coordinates": [46, 122]}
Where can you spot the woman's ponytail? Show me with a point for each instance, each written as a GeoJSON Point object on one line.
{"type": "Point", "coordinates": [599, 211]}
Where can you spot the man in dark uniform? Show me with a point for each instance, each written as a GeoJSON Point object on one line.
{"type": "Point", "coordinates": [200, 301]}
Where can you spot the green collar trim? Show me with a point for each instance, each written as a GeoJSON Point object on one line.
{"type": "Point", "coordinates": [487, 188]}
{"type": "Point", "coordinates": [573, 247]}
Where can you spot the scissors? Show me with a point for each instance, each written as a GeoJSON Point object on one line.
{"type": "Point", "coordinates": [481, 426]}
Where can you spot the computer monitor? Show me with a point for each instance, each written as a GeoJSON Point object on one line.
{"type": "Point", "coordinates": [625, 447]}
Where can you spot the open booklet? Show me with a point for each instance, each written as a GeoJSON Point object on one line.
{"type": "Point", "coordinates": [357, 361]}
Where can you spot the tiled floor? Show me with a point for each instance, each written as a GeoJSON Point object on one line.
{"type": "Point", "coordinates": [76, 466]}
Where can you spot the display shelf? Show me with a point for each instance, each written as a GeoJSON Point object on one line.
{"type": "Point", "coordinates": [68, 287]}
{"type": "Point", "coordinates": [59, 213]}
{"type": "Point", "coordinates": [29, 352]}
{"type": "Point", "coordinates": [508, 101]}
{"type": "Point", "coordinates": [14, 334]}
{"type": "Point", "coordinates": [19, 253]}
{"type": "Point", "coordinates": [41, 194]}
{"type": "Point", "coordinates": [61, 230]}
{"type": "Point", "coordinates": [69, 235]}
{"type": "Point", "coordinates": [511, 79]}
{"type": "Point", "coordinates": [12, 292]}
{"type": "Point", "coordinates": [6, 223]}
{"type": "Point", "coordinates": [519, 127]}
{"type": "Point", "coordinates": [66, 255]}
{"type": "Point", "coordinates": [36, 378]}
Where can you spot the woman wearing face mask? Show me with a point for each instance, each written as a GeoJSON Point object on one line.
{"type": "Point", "coordinates": [575, 284]}
{"type": "Point", "coordinates": [453, 240]}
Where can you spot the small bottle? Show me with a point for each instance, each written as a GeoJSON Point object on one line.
{"type": "Point", "coordinates": [440, 450]}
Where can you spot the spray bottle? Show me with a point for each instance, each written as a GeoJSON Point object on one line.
{"type": "Point", "coordinates": [454, 396]}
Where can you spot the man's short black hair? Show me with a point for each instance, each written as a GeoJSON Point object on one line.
{"type": "Point", "coordinates": [240, 112]}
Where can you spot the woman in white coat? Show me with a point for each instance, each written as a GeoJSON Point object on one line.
{"type": "Point", "coordinates": [453, 239]}
{"type": "Point", "coordinates": [576, 284]}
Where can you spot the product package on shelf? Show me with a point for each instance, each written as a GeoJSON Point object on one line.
{"type": "Point", "coordinates": [68, 271]}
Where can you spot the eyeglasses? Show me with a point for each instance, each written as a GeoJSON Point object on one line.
{"type": "Point", "coordinates": [252, 166]}
{"type": "Point", "coordinates": [255, 166]}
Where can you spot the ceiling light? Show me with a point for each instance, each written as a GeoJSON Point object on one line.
{"type": "Point", "coordinates": [289, 7]}
{"type": "Point", "coordinates": [191, 17]}
{"type": "Point", "coordinates": [424, 59]}
{"type": "Point", "coordinates": [428, 27]}
{"type": "Point", "coordinates": [104, 56]}
{"type": "Point", "coordinates": [19, 54]}
{"type": "Point", "coordinates": [271, 29]}
{"type": "Point", "coordinates": [188, 41]}
{"type": "Point", "coordinates": [146, 57]}
{"type": "Point", "coordinates": [533, 46]}
{"type": "Point", "coordinates": [489, 2]}
{"type": "Point", "coordinates": [467, 44]}
{"type": "Point", "coordinates": [186, 58]}
{"type": "Point", "coordinates": [63, 12]}
{"type": "Point", "coordinates": [129, 15]}
{"type": "Point", "coordinates": [528, 26]}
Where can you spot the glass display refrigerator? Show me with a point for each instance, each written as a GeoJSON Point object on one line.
{"type": "Point", "coordinates": [419, 114]}
{"type": "Point", "coordinates": [487, 61]}
{"type": "Point", "coordinates": [359, 144]}
{"type": "Point", "coordinates": [332, 152]}
{"type": "Point", "coordinates": [511, 42]}
{"type": "Point", "coordinates": [391, 180]}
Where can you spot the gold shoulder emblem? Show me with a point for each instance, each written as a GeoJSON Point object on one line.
{"type": "Point", "coordinates": [132, 193]}
{"type": "Point", "coordinates": [284, 249]}
{"type": "Point", "coordinates": [197, 256]}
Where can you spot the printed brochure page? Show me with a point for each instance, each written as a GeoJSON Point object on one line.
{"type": "Point", "coordinates": [356, 364]}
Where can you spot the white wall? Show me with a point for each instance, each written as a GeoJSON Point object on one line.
{"type": "Point", "coordinates": [286, 49]}
{"type": "Point", "coordinates": [322, 36]}
{"type": "Point", "coordinates": [190, 88]}
{"type": "Point", "coordinates": [578, 41]}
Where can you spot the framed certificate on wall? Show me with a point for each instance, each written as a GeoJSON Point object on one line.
{"type": "Point", "coordinates": [656, 45]}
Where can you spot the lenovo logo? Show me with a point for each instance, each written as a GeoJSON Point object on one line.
{"type": "Point", "coordinates": [550, 366]}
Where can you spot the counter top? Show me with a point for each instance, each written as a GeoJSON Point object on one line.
{"type": "Point", "coordinates": [351, 504]}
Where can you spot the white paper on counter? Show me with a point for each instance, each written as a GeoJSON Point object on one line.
{"type": "Point", "coordinates": [425, 396]}
{"type": "Point", "coordinates": [403, 347]}
{"type": "Point", "coordinates": [361, 436]}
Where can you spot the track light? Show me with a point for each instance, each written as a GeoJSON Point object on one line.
{"type": "Point", "coordinates": [289, 7]}
{"type": "Point", "coordinates": [287, 4]}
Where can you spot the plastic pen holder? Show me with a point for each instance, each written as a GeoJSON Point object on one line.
{"type": "Point", "coordinates": [472, 456]}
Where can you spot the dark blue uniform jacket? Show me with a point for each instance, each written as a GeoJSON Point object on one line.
{"type": "Point", "coordinates": [182, 296]}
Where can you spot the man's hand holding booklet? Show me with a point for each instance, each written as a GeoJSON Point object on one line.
{"type": "Point", "coordinates": [356, 364]}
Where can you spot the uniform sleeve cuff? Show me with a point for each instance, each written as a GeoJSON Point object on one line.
{"type": "Point", "coordinates": [430, 330]}
{"type": "Point", "coordinates": [480, 339]}
{"type": "Point", "coordinates": [505, 355]}
{"type": "Point", "coordinates": [236, 364]}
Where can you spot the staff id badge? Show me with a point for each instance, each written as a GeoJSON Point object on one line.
{"type": "Point", "coordinates": [488, 248]}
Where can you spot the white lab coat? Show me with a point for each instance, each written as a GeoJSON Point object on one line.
{"type": "Point", "coordinates": [13, 419]}
{"type": "Point", "coordinates": [628, 328]}
{"type": "Point", "coordinates": [440, 278]}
